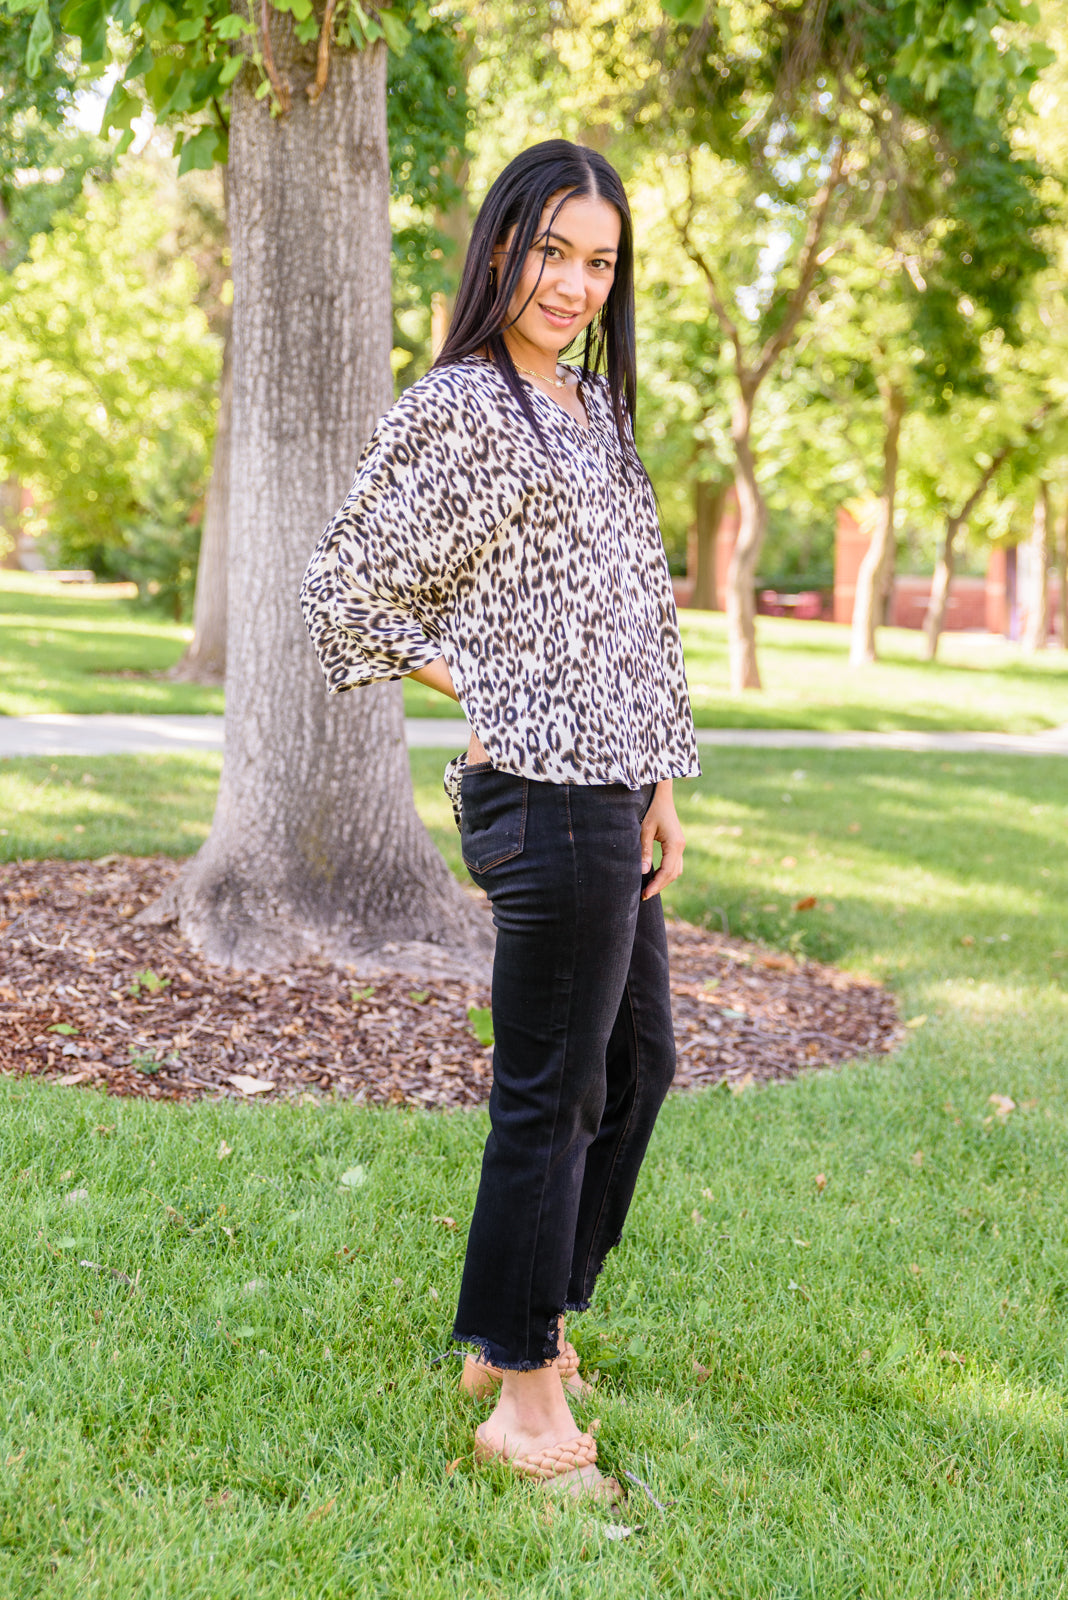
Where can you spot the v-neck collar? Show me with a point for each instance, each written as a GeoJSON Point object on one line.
{"type": "Point", "coordinates": [586, 429]}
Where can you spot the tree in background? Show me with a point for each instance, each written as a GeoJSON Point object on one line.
{"type": "Point", "coordinates": [812, 126]}
{"type": "Point", "coordinates": [315, 847]}
{"type": "Point", "coordinates": [43, 166]}
{"type": "Point", "coordinates": [107, 377]}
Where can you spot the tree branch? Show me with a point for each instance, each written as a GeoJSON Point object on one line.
{"type": "Point", "coordinates": [812, 258]}
{"type": "Point", "coordinates": [684, 228]}
{"type": "Point", "coordinates": [322, 60]}
{"type": "Point", "coordinates": [997, 461]}
{"type": "Point", "coordinates": [279, 85]}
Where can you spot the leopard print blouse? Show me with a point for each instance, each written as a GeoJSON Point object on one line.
{"type": "Point", "coordinates": [543, 582]}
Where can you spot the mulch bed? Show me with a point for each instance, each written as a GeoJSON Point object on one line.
{"type": "Point", "coordinates": [89, 997]}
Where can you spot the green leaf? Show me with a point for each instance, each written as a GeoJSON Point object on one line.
{"type": "Point", "coordinates": [141, 63]}
{"type": "Point", "coordinates": [120, 111]}
{"type": "Point", "coordinates": [199, 152]}
{"type": "Point", "coordinates": [354, 1178]}
{"type": "Point", "coordinates": [230, 69]}
{"type": "Point", "coordinates": [88, 21]}
{"type": "Point", "coordinates": [397, 35]}
{"type": "Point", "coordinates": [688, 12]}
{"type": "Point", "coordinates": [62, 1027]}
{"type": "Point", "coordinates": [481, 1021]}
{"type": "Point", "coordinates": [232, 27]}
{"type": "Point", "coordinates": [40, 41]}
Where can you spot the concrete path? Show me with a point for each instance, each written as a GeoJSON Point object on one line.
{"type": "Point", "coordinates": [67, 734]}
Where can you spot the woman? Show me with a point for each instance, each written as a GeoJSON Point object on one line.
{"type": "Point", "coordinates": [500, 544]}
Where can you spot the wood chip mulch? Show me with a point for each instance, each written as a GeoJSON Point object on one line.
{"type": "Point", "coordinates": [88, 997]}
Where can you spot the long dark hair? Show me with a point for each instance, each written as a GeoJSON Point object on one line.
{"type": "Point", "coordinates": [517, 199]}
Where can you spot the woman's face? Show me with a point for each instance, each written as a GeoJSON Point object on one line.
{"type": "Point", "coordinates": [579, 253]}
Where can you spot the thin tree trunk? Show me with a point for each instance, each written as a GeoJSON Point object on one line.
{"type": "Point", "coordinates": [872, 572]}
{"type": "Point", "coordinates": [708, 507]}
{"type": "Point", "coordinates": [1036, 628]}
{"type": "Point", "coordinates": [935, 616]}
{"type": "Point", "coordinates": [204, 660]}
{"type": "Point", "coordinates": [741, 575]}
{"type": "Point", "coordinates": [1062, 575]}
{"type": "Point", "coordinates": [315, 849]}
{"type": "Point", "coordinates": [10, 508]}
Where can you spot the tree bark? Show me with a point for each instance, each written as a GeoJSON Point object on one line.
{"type": "Point", "coordinates": [315, 850]}
{"type": "Point", "coordinates": [1036, 628]}
{"type": "Point", "coordinates": [935, 615]}
{"type": "Point", "coordinates": [708, 507]}
{"type": "Point", "coordinates": [204, 660]}
{"type": "Point", "coordinates": [10, 508]}
{"type": "Point", "coordinates": [1062, 575]}
{"type": "Point", "coordinates": [741, 574]}
{"type": "Point", "coordinates": [872, 572]}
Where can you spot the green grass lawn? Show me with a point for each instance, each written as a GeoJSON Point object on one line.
{"type": "Point", "coordinates": [851, 1388]}
{"type": "Point", "coordinates": [62, 651]}
{"type": "Point", "coordinates": [67, 648]}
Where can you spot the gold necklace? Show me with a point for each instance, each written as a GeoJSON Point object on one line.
{"type": "Point", "coordinates": [559, 383]}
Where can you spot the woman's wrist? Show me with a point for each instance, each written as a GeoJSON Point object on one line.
{"type": "Point", "coordinates": [436, 675]}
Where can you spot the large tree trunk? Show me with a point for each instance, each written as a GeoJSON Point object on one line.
{"type": "Point", "coordinates": [741, 575]}
{"type": "Point", "coordinates": [709, 500]}
{"type": "Point", "coordinates": [1062, 576]}
{"type": "Point", "coordinates": [204, 660]}
{"type": "Point", "coordinates": [872, 574]}
{"type": "Point", "coordinates": [935, 616]}
{"type": "Point", "coordinates": [315, 850]}
{"type": "Point", "coordinates": [1036, 627]}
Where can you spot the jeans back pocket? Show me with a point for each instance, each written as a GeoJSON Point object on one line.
{"type": "Point", "coordinates": [494, 817]}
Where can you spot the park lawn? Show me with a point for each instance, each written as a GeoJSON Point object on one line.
{"type": "Point", "coordinates": [67, 647]}
{"type": "Point", "coordinates": [833, 1342]}
{"type": "Point", "coordinates": [61, 649]}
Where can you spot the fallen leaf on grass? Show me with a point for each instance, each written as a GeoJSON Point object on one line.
{"type": "Point", "coordinates": [354, 1178]}
{"type": "Point", "coordinates": [481, 1020]}
{"type": "Point", "coordinates": [966, 938]}
{"type": "Point", "coordinates": [224, 1150]}
{"type": "Point", "coordinates": [821, 1181]}
{"type": "Point", "coordinates": [1002, 1105]}
{"type": "Point", "coordinates": [808, 903]}
{"type": "Point", "coordinates": [616, 1530]}
{"type": "Point", "coordinates": [701, 1374]}
{"type": "Point", "coordinates": [446, 1222]}
{"type": "Point", "coordinates": [915, 1269]}
{"type": "Point", "coordinates": [247, 1085]}
{"type": "Point", "coordinates": [70, 1078]}
{"type": "Point", "coordinates": [76, 1197]}
{"type": "Point", "coordinates": [452, 1466]}
{"type": "Point", "coordinates": [951, 1355]}
{"type": "Point", "coordinates": [740, 1085]}
{"type": "Point", "coordinates": [917, 1022]}
{"type": "Point", "coordinates": [917, 1159]}
{"type": "Point", "coordinates": [323, 1510]}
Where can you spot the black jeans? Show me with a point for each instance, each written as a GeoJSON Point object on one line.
{"type": "Point", "coordinates": [583, 1050]}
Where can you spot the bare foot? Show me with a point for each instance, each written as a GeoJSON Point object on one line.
{"type": "Point", "coordinates": [532, 1415]}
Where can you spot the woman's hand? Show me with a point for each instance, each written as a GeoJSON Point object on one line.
{"type": "Point", "coordinates": [661, 826]}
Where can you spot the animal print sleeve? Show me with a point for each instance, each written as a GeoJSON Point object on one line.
{"type": "Point", "coordinates": [426, 496]}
